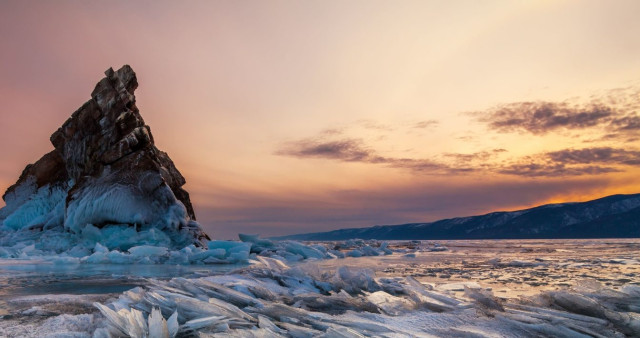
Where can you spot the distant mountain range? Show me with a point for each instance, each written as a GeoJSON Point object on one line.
{"type": "Point", "coordinates": [608, 217]}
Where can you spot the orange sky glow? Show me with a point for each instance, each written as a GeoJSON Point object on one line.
{"type": "Point", "coordinates": [302, 116]}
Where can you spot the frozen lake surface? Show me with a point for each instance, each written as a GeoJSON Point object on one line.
{"type": "Point", "coordinates": [483, 288]}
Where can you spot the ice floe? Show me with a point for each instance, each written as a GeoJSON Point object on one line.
{"type": "Point", "coordinates": [123, 244]}
{"type": "Point", "coordinates": [305, 301]}
{"type": "Point", "coordinates": [353, 297]}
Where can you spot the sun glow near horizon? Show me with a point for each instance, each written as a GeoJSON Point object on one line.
{"type": "Point", "coordinates": [290, 117]}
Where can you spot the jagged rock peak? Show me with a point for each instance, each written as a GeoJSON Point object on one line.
{"type": "Point", "coordinates": [107, 167]}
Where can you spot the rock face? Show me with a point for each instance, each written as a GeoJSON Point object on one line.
{"type": "Point", "coordinates": [104, 170]}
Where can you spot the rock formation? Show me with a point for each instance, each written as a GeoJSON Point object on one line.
{"type": "Point", "coordinates": [105, 170]}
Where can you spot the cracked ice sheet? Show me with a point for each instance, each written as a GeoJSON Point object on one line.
{"type": "Point", "coordinates": [315, 298]}
{"type": "Point", "coordinates": [370, 309]}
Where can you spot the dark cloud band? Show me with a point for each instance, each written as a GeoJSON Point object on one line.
{"type": "Point", "coordinates": [615, 113]}
{"type": "Point", "coordinates": [543, 117]}
{"type": "Point", "coordinates": [561, 163]}
{"type": "Point", "coordinates": [349, 150]}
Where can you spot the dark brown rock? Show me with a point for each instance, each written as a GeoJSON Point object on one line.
{"type": "Point", "coordinates": [106, 151]}
{"type": "Point", "coordinates": [49, 168]}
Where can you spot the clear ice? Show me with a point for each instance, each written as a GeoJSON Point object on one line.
{"type": "Point", "coordinates": [287, 289]}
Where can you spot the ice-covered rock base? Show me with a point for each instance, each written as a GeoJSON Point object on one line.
{"type": "Point", "coordinates": [104, 175]}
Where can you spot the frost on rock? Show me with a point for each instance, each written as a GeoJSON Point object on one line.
{"type": "Point", "coordinates": [104, 182]}
{"type": "Point", "coordinates": [44, 206]}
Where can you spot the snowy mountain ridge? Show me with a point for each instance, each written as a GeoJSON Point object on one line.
{"type": "Point", "coordinates": [611, 216]}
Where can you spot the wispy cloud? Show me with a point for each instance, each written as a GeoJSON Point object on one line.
{"type": "Point", "coordinates": [425, 166]}
{"type": "Point", "coordinates": [353, 150]}
{"type": "Point", "coordinates": [573, 162]}
{"type": "Point", "coordinates": [374, 125]}
{"type": "Point", "coordinates": [629, 122]}
{"type": "Point", "coordinates": [481, 156]}
{"type": "Point", "coordinates": [349, 150]}
{"type": "Point", "coordinates": [546, 169]}
{"type": "Point", "coordinates": [425, 124]}
{"type": "Point", "coordinates": [614, 113]}
{"type": "Point", "coordinates": [606, 155]}
{"type": "Point", "coordinates": [543, 117]}
{"type": "Point", "coordinates": [560, 163]}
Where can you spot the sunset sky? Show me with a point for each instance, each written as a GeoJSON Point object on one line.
{"type": "Point", "coordinates": [302, 116]}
